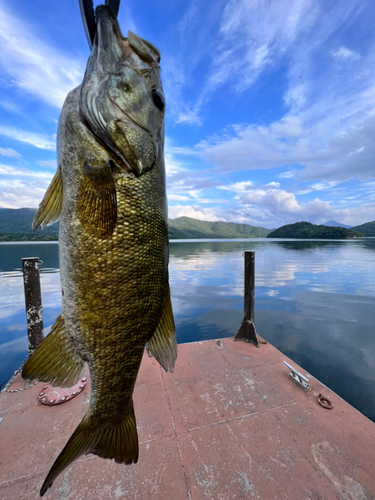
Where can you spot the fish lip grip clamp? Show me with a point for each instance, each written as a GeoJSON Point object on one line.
{"type": "Point", "coordinates": [88, 16]}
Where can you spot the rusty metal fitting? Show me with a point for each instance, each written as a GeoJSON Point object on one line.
{"type": "Point", "coordinates": [325, 402]}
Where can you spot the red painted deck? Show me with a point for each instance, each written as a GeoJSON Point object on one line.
{"type": "Point", "coordinates": [227, 424]}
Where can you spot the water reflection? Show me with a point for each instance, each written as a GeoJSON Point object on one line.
{"type": "Point", "coordinates": [314, 301]}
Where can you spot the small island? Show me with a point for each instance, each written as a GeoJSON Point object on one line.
{"type": "Point", "coordinates": [305, 230]}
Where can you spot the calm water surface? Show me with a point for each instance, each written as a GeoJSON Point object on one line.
{"type": "Point", "coordinates": [315, 301]}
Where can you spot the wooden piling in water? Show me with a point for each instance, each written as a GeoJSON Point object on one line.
{"type": "Point", "coordinates": [33, 301]}
{"type": "Point", "coordinates": [246, 331]}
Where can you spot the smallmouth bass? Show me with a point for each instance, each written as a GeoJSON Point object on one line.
{"type": "Point", "coordinates": [109, 194]}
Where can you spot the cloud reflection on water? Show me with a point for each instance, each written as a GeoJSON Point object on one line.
{"type": "Point", "coordinates": [314, 302]}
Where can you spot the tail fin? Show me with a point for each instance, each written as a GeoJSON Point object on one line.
{"type": "Point", "coordinates": [118, 441]}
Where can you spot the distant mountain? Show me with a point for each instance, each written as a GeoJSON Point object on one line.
{"type": "Point", "coordinates": [15, 225]}
{"type": "Point", "coordinates": [334, 223]}
{"type": "Point", "coordinates": [367, 229]}
{"type": "Point", "coordinates": [188, 228]}
{"type": "Point", "coordinates": [19, 221]}
{"type": "Point", "coordinates": [305, 230]}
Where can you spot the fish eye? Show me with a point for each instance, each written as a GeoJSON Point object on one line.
{"type": "Point", "coordinates": [158, 99]}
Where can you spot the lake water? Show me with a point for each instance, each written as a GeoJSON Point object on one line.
{"type": "Point", "coordinates": [314, 301]}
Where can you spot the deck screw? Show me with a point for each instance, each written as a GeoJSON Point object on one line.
{"type": "Point", "coordinates": [41, 394]}
{"type": "Point", "coordinates": [84, 379]}
{"type": "Point", "coordinates": [52, 401]}
{"type": "Point", "coordinates": [74, 392]}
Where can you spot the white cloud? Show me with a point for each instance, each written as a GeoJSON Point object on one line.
{"type": "Point", "coordinates": [189, 116]}
{"type": "Point", "coordinates": [282, 203]}
{"type": "Point", "coordinates": [22, 188]}
{"type": "Point", "coordinates": [194, 211]}
{"type": "Point", "coordinates": [328, 150]}
{"type": "Point", "coordinates": [274, 207]}
{"type": "Point", "coordinates": [253, 36]}
{"type": "Point", "coordinates": [178, 197]}
{"type": "Point", "coordinates": [237, 186]}
{"type": "Point", "coordinates": [47, 163]}
{"type": "Point", "coordinates": [9, 152]}
{"type": "Point", "coordinates": [11, 106]}
{"type": "Point", "coordinates": [172, 166]}
{"type": "Point", "coordinates": [257, 36]}
{"type": "Point", "coordinates": [38, 140]}
{"type": "Point", "coordinates": [191, 17]}
{"type": "Point", "coordinates": [20, 172]}
{"type": "Point", "coordinates": [270, 206]}
{"type": "Point", "coordinates": [344, 54]}
{"type": "Point", "coordinates": [22, 196]}
{"type": "Point", "coordinates": [31, 65]}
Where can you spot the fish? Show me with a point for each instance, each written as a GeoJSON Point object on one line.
{"type": "Point", "coordinates": [109, 194]}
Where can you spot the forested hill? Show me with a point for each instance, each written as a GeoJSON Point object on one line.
{"type": "Point", "coordinates": [367, 229]}
{"type": "Point", "coordinates": [20, 221]}
{"type": "Point", "coordinates": [15, 225]}
{"type": "Point", "coordinates": [186, 227]}
{"type": "Point", "coordinates": [305, 230]}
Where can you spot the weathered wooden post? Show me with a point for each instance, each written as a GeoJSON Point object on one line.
{"type": "Point", "coordinates": [246, 331]}
{"type": "Point", "coordinates": [33, 302]}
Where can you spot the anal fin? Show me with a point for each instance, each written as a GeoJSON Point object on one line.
{"type": "Point", "coordinates": [118, 441]}
{"type": "Point", "coordinates": [55, 361]}
{"type": "Point", "coordinates": [50, 207]}
{"type": "Point", "coordinates": [163, 344]}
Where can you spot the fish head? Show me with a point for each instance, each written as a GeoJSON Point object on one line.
{"type": "Point", "coordinates": [122, 97]}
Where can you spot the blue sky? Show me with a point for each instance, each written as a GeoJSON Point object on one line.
{"type": "Point", "coordinates": [270, 104]}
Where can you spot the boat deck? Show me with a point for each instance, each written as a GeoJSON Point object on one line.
{"type": "Point", "coordinates": [229, 423]}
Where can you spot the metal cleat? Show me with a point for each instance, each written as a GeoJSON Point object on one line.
{"type": "Point", "coordinates": [297, 376]}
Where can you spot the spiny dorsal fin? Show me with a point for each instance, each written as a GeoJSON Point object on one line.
{"type": "Point", "coordinates": [163, 344]}
{"type": "Point", "coordinates": [50, 207]}
{"type": "Point", "coordinates": [118, 441]}
{"type": "Point", "coordinates": [97, 203]}
{"type": "Point", "coordinates": [55, 361]}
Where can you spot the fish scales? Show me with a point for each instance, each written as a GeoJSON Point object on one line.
{"type": "Point", "coordinates": [109, 194]}
{"type": "Point", "coordinates": [130, 277]}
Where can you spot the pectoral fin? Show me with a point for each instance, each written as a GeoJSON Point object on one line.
{"type": "Point", "coordinates": [50, 207]}
{"type": "Point", "coordinates": [163, 344]}
{"type": "Point", "coordinates": [97, 203]}
{"type": "Point", "coordinates": [55, 361]}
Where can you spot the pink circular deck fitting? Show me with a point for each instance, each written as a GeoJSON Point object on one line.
{"type": "Point", "coordinates": [52, 396]}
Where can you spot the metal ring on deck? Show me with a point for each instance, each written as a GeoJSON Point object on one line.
{"type": "Point", "coordinates": [325, 402]}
